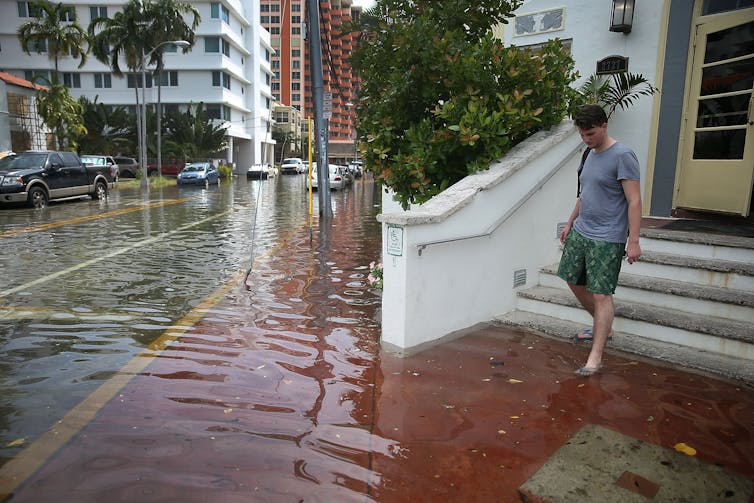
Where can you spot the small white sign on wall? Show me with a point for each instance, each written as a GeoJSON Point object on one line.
{"type": "Point", "coordinates": [394, 240]}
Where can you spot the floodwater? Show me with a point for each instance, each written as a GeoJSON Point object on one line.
{"type": "Point", "coordinates": [87, 285]}
{"type": "Point", "coordinates": [138, 365]}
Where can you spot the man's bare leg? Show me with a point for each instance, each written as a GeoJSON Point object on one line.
{"type": "Point", "coordinates": [604, 311]}
{"type": "Point", "coordinates": [584, 296]}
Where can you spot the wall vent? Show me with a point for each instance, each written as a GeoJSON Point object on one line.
{"type": "Point", "coordinates": [559, 229]}
{"type": "Point", "coordinates": [519, 278]}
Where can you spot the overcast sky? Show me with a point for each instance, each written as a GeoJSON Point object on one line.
{"type": "Point", "coordinates": [364, 3]}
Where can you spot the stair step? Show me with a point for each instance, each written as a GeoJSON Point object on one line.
{"type": "Point", "coordinates": [708, 272]}
{"type": "Point", "coordinates": [700, 299]}
{"type": "Point", "coordinates": [706, 333]}
{"type": "Point", "coordinates": [731, 367]}
{"type": "Point", "coordinates": [698, 245]}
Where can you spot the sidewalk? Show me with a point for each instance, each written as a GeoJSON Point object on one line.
{"type": "Point", "coordinates": [283, 394]}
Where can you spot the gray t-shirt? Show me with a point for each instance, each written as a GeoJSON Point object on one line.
{"type": "Point", "coordinates": [603, 214]}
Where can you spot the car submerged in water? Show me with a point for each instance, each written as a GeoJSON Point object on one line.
{"type": "Point", "coordinates": [198, 173]}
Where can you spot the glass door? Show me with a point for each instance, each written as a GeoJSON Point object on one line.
{"type": "Point", "coordinates": [717, 169]}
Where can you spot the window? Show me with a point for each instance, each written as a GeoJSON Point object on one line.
{"type": "Point", "coordinates": [275, 64]}
{"type": "Point", "coordinates": [296, 53]}
{"type": "Point", "coordinates": [103, 80]}
{"type": "Point", "coordinates": [295, 8]}
{"type": "Point", "coordinates": [38, 46]}
{"type": "Point", "coordinates": [275, 30]}
{"type": "Point", "coordinates": [264, 19]}
{"type": "Point", "coordinates": [134, 80]}
{"type": "Point", "coordinates": [221, 79]}
{"type": "Point", "coordinates": [295, 75]}
{"type": "Point", "coordinates": [275, 19]}
{"type": "Point", "coordinates": [267, 78]}
{"type": "Point", "coordinates": [264, 8]}
{"type": "Point", "coordinates": [219, 11]}
{"type": "Point", "coordinates": [266, 55]}
{"type": "Point", "coordinates": [95, 12]}
{"type": "Point", "coordinates": [275, 8]}
{"type": "Point", "coordinates": [38, 76]}
{"type": "Point", "coordinates": [296, 86]}
{"type": "Point", "coordinates": [71, 80]}
{"type": "Point", "coordinates": [276, 86]}
{"type": "Point", "coordinates": [296, 30]}
{"type": "Point", "coordinates": [295, 63]}
{"type": "Point", "coordinates": [296, 97]}
{"type": "Point", "coordinates": [296, 19]}
{"type": "Point", "coordinates": [168, 79]}
{"type": "Point", "coordinates": [68, 14]}
{"type": "Point", "coordinates": [28, 9]}
{"type": "Point", "coordinates": [211, 44]}
{"type": "Point", "coordinates": [217, 111]}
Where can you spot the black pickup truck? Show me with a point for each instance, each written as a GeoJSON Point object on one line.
{"type": "Point", "coordinates": [38, 176]}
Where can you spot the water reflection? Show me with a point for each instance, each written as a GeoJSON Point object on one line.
{"type": "Point", "coordinates": [86, 295]}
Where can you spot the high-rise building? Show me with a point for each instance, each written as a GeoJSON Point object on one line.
{"type": "Point", "coordinates": [291, 82]}
{"type": "Point", "coordinates": [228, 70]}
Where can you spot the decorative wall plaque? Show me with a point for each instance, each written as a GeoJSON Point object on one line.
{"type": "Point", "coordinates": [539, 22]}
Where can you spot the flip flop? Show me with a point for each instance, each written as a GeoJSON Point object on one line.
{"type": "Point", "coordinates": [584, 335]}
{"type": "Point", "coordinates": [587, 335]}
{"type": "Point", "coordinates": [588, 371]}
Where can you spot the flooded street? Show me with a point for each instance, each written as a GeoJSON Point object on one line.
{"type": "Point", "coordinates": [137, 364]}
{"type": "Point", "coordinates": [87, 285]}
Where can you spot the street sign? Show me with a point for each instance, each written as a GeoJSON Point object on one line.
{"type": "Point", "coordinates": [327, 105]}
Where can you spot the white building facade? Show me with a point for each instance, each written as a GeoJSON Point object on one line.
{"type": "Point", "coordinates": [228, 70]}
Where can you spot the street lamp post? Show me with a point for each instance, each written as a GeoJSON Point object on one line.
{"type": "Point", "coordinates": [144, 167]}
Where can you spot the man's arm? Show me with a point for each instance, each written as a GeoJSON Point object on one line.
{"type": "Point", "coordinates": [632, 191]}
{"type": "Point", "coordinates": [569, 224]}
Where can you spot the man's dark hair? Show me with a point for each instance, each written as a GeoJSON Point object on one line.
{"type": "Point", "coordinates": [590, 116]}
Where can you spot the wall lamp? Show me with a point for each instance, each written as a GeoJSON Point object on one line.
{"type": "Point", "coordinates": [622, 16]}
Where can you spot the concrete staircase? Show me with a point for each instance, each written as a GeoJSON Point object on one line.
{"type": "Point", "coordinates": [688, 301]}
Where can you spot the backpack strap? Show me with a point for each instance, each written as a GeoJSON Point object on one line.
{"type": "Point", "coordinates": [581, 168]}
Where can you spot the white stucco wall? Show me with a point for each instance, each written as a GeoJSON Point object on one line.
{"type": "Point", "coordinates": [455, 285]}
{"type": "Point", "coordinates": [587, 24]}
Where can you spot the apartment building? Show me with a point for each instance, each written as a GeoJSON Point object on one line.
{"type": "Point", "coordinates": [228, 69]}
{"type": "Point", "coordinates": [291, 83]}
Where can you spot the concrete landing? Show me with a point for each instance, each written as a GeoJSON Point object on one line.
{"type": "Point", "coordinates": [598, 465]}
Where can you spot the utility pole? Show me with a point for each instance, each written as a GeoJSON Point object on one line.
{"type": "Point", "coordinates": [315, 56]}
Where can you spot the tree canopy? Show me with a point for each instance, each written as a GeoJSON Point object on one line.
{"type": "Point", "coordinates": [442, 97]}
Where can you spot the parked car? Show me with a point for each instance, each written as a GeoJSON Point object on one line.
{"type": "Point", "coordinates": [259, 172]}
{"type": "Point", "coordinates": [198, 173]}
{"type": "Point", "coordinates": [127, 166]}
{"type": "Point", "coordinates": [337, 182]}
{"type": "Point", "coordinates": [292, 166]}
{"type": "Point", "coordinates": [38, 176]}
{"type": "Point", "coordinates": [102, 160]}
{"type": "Point", "coordinates": [170, 167]}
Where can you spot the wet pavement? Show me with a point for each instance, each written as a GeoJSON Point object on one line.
{"type": "Point", "coordinates": [280, 392]}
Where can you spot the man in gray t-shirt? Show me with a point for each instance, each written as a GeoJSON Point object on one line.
{"type": "Point", "coordinates": [602, 228]}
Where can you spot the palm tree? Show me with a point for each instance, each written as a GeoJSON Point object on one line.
{"type": "Point", "coordinates": [63, 114]}
{"type": "Point", "coordinates": [61, 37]}
{"type": "Point", "coordinates": [169, 24]}
{"type": "Point", "coordinates": [123, 36]}
{"type": "Point", "coordinates": [619, 91]}
{"type": "Point", "coordinates": [128, 36]}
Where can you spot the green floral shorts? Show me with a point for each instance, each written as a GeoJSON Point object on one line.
{"type": "Point", "coordinates": [595, 264]}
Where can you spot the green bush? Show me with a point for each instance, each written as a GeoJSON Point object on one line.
{"type": "Point", "coordinates": [226, 172]}
{"type": "Point", "coordinates": [441, 97]}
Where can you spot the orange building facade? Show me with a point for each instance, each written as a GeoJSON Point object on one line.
{"type": "Point", "coordinates": [291, 83]}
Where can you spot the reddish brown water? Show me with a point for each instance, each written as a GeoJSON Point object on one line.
{"type": "Point", "coordinates": [282, 393]}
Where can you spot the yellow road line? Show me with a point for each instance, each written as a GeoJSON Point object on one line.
{"type": "Point", "coordinates": [82, 265]}
{"type": "Point", "coordinates": [16, 471]}
{"type": "Point", "coordinates": [87, 218]}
